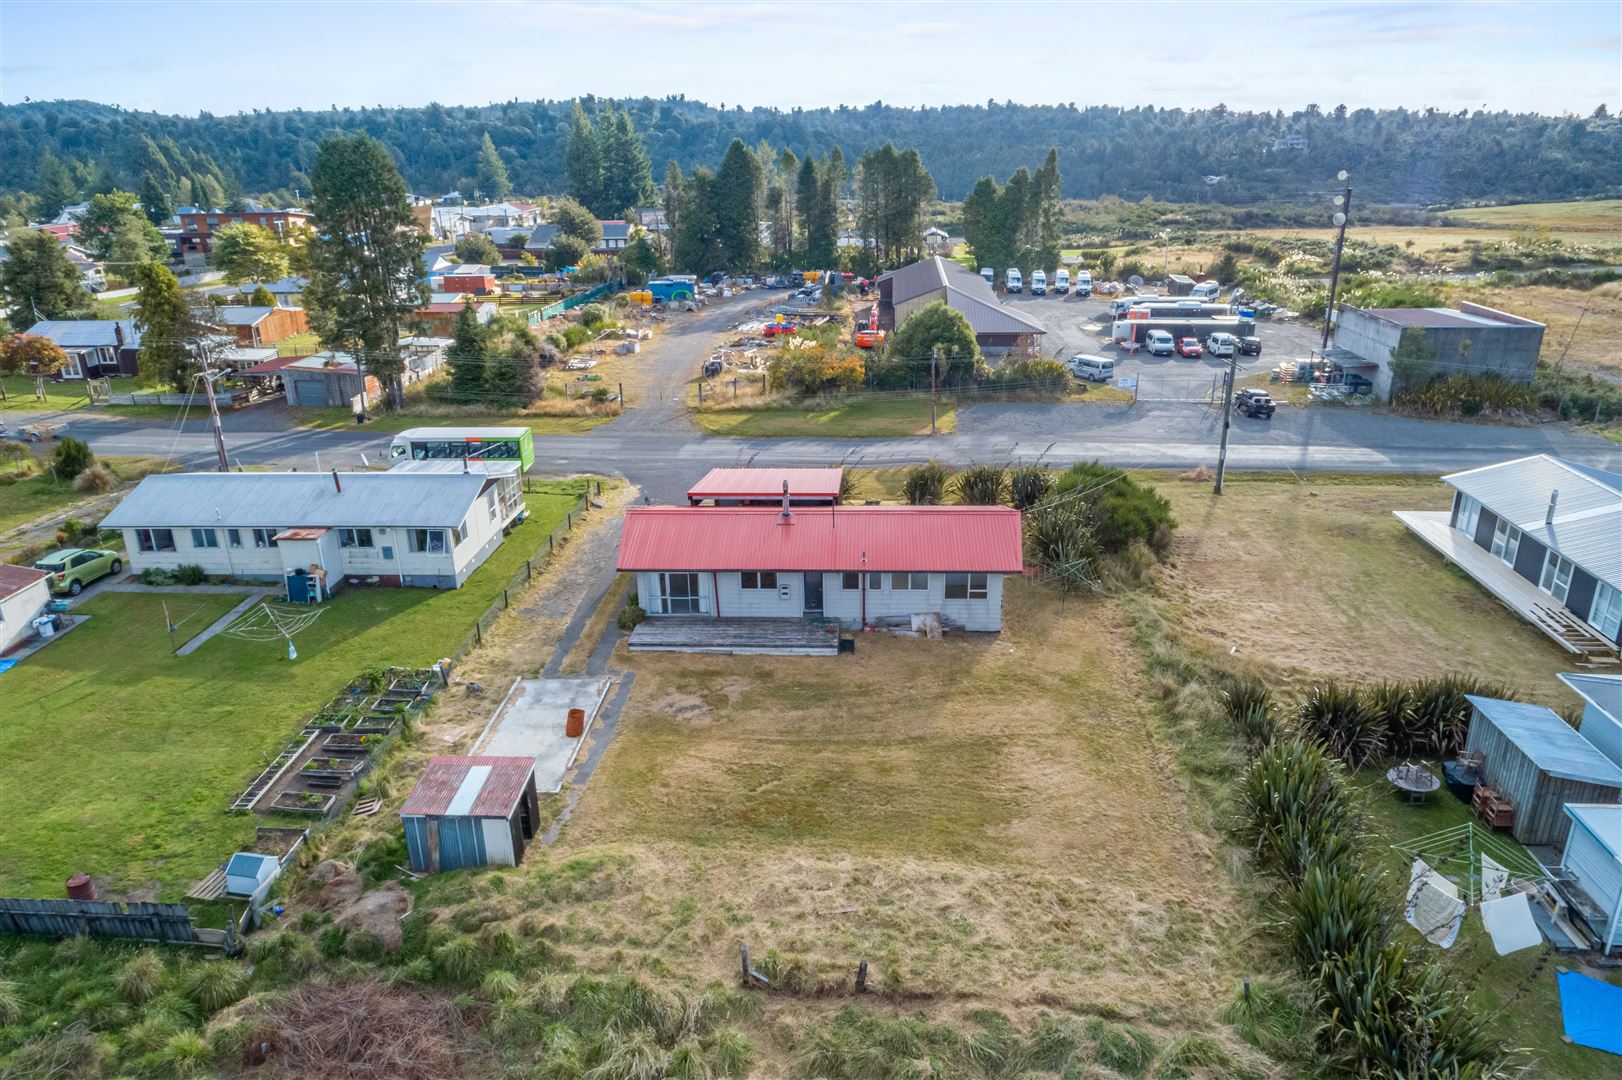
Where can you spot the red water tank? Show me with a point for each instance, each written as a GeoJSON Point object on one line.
{"type": "Point", "coordinates": [80, 887]}
{"type": "Point", "coordinates": [576, 725]}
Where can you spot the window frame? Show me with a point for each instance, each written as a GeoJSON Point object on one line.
{"type": "Point", "coordinates": [233, 538]}
{"type": "Point", "coordinates": [205, 539]}
{"type": "Point", "coordinates": [967, 585]}
{"type": "Point", "coordinates": [850, 580]}
{"type": "Point", "coordinates": [1469, 515]}
{"type": "Point", "coordinates": [1549, 580]}
{"type": "Point", "coordinates": [359, 536]}
{"type": "Point", "coordinates": [264, 539]}
{"type": "Point", "coordinates": [912, 583]}
{"type": "Point", "coordinates": [763, 580]}
{"type": "Point", "coordinates": [1607, 606]}
{"type": "Point", "coordinates": [691, 603]}
{"type": "Point", "coordinates": [148, 540]}
{"type": "Point", "coordinates": [1506, 542]}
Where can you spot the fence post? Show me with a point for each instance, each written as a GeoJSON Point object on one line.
{"type": "Point", "coordinates": [568, 521]}
{"type": "Point", "coordinates": [701, 391]}
{"type": "Point", "coordinates": [478, 633]}
{"type": "Point", "coordinates": [550, 547]}
{"type": "Point", "coordinates": [734, 389]}
{"type": "Point", "coordinates": [622, 395]}
{"type": "Point", "coordinates": [506, 601]}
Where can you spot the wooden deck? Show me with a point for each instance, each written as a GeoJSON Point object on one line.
{"type": "Point", "coordinates": [1514, 591]}
{"type": "Point", "coordinates": [741, 637]}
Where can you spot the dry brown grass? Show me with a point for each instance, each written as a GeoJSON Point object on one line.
{"type": "Point", "coordinates": [1584, 326]}
{"type": "Point", "coordinates": [1318, 578]}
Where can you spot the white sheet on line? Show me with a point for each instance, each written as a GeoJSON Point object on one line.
{"type": "Point", "coordinates": [1493, 878]}
{"type": "Point", "coordinates": [1435, 913]}
{"type": "Point", "coordinates": [1508, 921]}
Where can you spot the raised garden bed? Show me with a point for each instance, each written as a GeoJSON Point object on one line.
{"type": "Point", "coordinates": [337, 767]}
{"type": "Point", "coordinates": [304, 802]}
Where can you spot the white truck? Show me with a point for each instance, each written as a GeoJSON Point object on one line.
{"type": "Point", "coordinates": [1039, 283]}
{"type": "Point", "coordinates": [1092, 368]}
{"type": "Point", "coordinates": [1012, 280]}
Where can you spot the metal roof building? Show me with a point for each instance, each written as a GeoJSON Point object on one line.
{"type": "Point", "coordinates": [470, 811]}
{"type": "Point", "coordinates": [1540, 763]}
{"type": "Point", "coordinates": [908, 289]}
{"type": "Point", "coordinates": [737, 487]}
{"type": "Point", "coordinates": [394, 498]}
{"type": "Point", "coordinates": [1593, 862]}
{"type": "Point", "coordinates": [1602, 711]}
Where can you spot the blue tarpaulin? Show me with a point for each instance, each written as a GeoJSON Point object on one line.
{"type": "Point", "coordinates": [1592, 1011]}
{"type": "Point", "coordinates": [7, 665]}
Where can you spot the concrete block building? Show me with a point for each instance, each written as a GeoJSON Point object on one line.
{"type": "Point", "coordinates": [1472, 339]}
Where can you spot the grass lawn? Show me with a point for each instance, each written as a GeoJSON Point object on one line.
{"type": "Point", "coordinates": [121, 757]}
{"type": "Point", "coordinates": [58, 395]}
{"type": "Point", "coordinates": [42, 494]}
{"type": "Point", "coordinates": [1315, 576]}
{"type": "Point", "coordinates": [870, 419]}
{"type": "Point", "coordinates": [1582, 324]}
{"type": "Point", "coordinates": [989, 818]}
{"type": "Point", "coordinates": [1520, 988]}
{"type": "Point", "coordinates": [332, 419]}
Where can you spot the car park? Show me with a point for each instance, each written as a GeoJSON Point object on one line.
{"type": "Point", "coordinates": [1189, 348]}
{"type": "Point", "coordinates": [1012, 280]}
{"type": "Point", "coordinates": [71, 569]}
{"type": "Point", "coordinates": [1257, 404]}
{"type": "Point", "coordinates": [1250, 346]}
{"type": "Point", "coordinates": [1159, 343]}
{"type": "Point", "coordinates": [1092, 368]}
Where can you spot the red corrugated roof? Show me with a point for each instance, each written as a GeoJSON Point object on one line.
{"type": "Point", "coordinates": [766, 483]}
{"type": "Point", "coordinates": [437, 787]}
{"type": "Point", "coordinates": [878, 538]}
{"type": "Point", "coordinates": [14, 579]}
{"type": "Point", "coordinates": [273, 365]}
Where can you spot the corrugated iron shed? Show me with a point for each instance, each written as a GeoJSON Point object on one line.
{"type": "Point", "coordinates": [1549, 741]}
{"type": "Point", "coordinates": [469, 787]}
{"type": "Point", "coordinates": [14, 579]}
{"type": "Point", "coordinates": [1604, 692]}
{"type": "Point", "coordinates": [284, 500]}
{"type": "Point", "coordinates": [873, 538]}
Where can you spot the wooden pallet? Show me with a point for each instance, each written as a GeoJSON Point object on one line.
{"type": "Point", "coordinates": [1577, 635]}
{"type": "Point", "coordinates": [367, 807]}
{"type": "Point", "coordinates": [210, 888]}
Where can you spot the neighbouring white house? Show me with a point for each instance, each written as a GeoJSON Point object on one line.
{"type": "Point", "coordinates": [24, 593]}
{"type": "Point", "coordinates": [1592, 863]}
{"type": "Point", "coordinates": [1602, 712]}
{"type": "Point", "coordinates": [423, 529]}
{"type": "Point", "coordinates": [855, 565]}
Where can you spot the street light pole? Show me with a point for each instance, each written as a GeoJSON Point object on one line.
{"type": "Point", "coordinates": [1344, 201]}
{"type": "Point", "coordinates": [934, 379]}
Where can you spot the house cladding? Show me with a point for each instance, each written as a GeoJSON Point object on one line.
{"type": "Point", "coordinates": [1555, 523]}
{"type": "Point", "coordinates": [470, 811]}
{"type": "Point", "coordinates": [96, 348]}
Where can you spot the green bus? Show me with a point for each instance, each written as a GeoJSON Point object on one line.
{"type": "Point", "coordinates": [454, 443]}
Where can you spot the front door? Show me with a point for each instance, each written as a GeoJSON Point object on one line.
{"type": "Point", "coordinates": [813, 594]}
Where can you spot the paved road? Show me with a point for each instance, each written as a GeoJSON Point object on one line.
{"type": "Point", "coordinates": [657, 447]}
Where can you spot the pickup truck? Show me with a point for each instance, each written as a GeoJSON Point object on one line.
{"type": "Point", "coordinates": [1257, 404]}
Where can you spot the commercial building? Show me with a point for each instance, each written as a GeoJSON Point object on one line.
{"type": "Point", "coordinates": [904, 292]}
{"type": "Point", "coordinates": [1471, 340]}
{"type": "Point", "coordinates": [378, 528]}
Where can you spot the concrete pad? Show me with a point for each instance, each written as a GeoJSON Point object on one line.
{"type": "Point", "coordinates": [531, 722]}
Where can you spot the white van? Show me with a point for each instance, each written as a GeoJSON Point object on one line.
{"type": "Point", "coordinates": [1206, 290]}
{"type": "Point", "coordinates": [1012, 281]}
{"type": "Point", "coordinates": [1092, 368]}
{"type": "Point", "coordinates": [1084, 283]}
{"type": "Point", "coordinates": [1061, 282]}
{"type": "Point", "coordinates": [1159, 343]}
{"type": "Point", "coordinates": [989, 274]}
{"type": "Point", "coordinates": [1039, 283]}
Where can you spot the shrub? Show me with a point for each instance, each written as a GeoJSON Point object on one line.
{"type": "Point", "coordinates": [190, 574]}
{"type": "Point", "coordinates": [1037, 377]}
{"type": "Point", "coordinates": [924, 484]}
{"type": "Point", "coordinates": [1249, 705]}
{"type": "Point", "coordinates": [1438, 716]}
{"type": "Point", "coordinates": [1340, 718]}
{"type": "Point", "coordinates": [96, 480]}
{"type": "Point", "coordinates": [141, 977]}
{"type": "Point", "coordinates": [1028, 485]}
{"type": "Point", "coordinates": [631, 616]}
{"type": "Point", "coordinates": [593, 315]}
{"type": "Point", "coordinates": [1297, 810]}
{"type": "Point", "coordinates": [1059, 538]}
{"type": "Point", "coordinates": [155, 575]}
{"type": "Point", "coordinates": [1577, 396]}
{"type": "Point", "coordinates": [1121, 510]}
{"type": "Point", "coordinates": [557, 341]}
{"type": "Point", "coordinates": [218, 983]}
{"type": "Point", "coordinates": [1336, 908]}
{"type": "Point", "coordinates": [72, 457]}
{"type": "Point", "coordinates": [981, 485]}
{"type": "Point", "coordinates": [1465, 395]}
{"type": "Point", "coordinates": [575, 336]}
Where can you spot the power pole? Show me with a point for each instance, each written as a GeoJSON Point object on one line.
{"type": "Point", "coordinates": [934, 381]}
{"type": "Point", "coordinates": [1344, 201]}
{"type": "Point", "coordinates": [1227, 419]}
{"type": "Point", "coordinates": [213, 407]}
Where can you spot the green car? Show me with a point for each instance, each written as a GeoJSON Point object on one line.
{"type": "Point", "coordinates": [71, 569]}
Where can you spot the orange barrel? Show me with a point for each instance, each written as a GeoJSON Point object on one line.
{"type": "Point", "coordinates": [80, 887]}
{"type": "Point", "coordinates": [576, 726]}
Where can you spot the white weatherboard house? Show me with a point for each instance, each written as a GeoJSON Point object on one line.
{"type": "Point", "coordinates": [429, 530]}
{"type": "Point", "coordinates": [24, 593]}
{"type": "Point", "coordinates": [1592, 862]}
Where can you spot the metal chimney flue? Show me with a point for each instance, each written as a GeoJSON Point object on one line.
{"type": "Point", "coordinates": [1554, 498]}
{"type": "Point", "coordinates": [787, 516]}
{"type": "Point", "coordinates": [337, 484]}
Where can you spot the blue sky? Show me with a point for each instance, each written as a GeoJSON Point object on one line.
{"type": "Point", "coordinates": [227, 57]}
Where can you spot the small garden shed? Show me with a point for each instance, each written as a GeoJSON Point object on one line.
{"type": "Point", "coordinates": [1593, 861]}
{"type": "Point", "coordinates": [470, 811]}
{"type": "Point", "coordinates": [247, 872]}
{"type": "Point", "coordinates": [1537, 761]}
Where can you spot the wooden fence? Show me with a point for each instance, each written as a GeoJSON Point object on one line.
{"type": "Point", "coordinates": [135, 921]}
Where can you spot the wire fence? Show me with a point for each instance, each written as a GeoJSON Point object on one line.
{"type": "Point", "coordinates": [533, 565]}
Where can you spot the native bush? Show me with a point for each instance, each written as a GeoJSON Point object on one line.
{"type": "Point", "coordinates": [1337, 716]}
{"type": "Point", "coordinates": [71, 457]}
{"type": "Point", "coordinates": [981, 485]}
{"type": "Point", "coordinates": [1121, 509]}
{"type": "Point", "coordinates": [924, 485]}
{"type": "Point", "coordinates": [593, 315]}
{"type": "Point", "coordinates": [1028, 485]}
{"type": "Point", "coordinates": [1059, 538]}
{"type": "Point", "coordinates": [1577, 396]}
{"type": "Point", "coordinates": [1249, 705]}
{"type": "Point", "coordinates": [1477, 394]}
{"type": "Point", "coordinates": [1297, 810]}
{"type": "Point", "coordinates": [1036, 377]}
{"type": "Point", "coordinates": [631, 616]}
{"type": "Point", "coordinates": [190, 574]}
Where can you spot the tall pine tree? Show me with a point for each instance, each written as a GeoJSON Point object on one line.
{"type": "Point", "coordinates": [468, 358]}
{"type": "Point", "coordinates": [627, 172]}
{"type": "Point", "coordinates": [169, 332]}
{"type": "Point", "coordinates": [155, 200]}
{"type": "Point", "coordinates": [738, 190]}
{"type": "Point", "coordinates": [53, 186]}
{"type": "Point", "coordinates": [583, 159]}
{"type": "Point", "coordinates": [491, 172]}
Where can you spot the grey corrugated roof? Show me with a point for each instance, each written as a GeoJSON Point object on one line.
{"type": "Point", "coordinates": [1603, 691]}
{"type": "Point", "coordinates": [541, 237]}
{"type": "Point", "coordinates": [293, 500]}
{"type": "Point", "coordinates": [616, 230]}
{"type": "Point", "coordinates": [1436, 317]}
{"type": "Point", "coordinates": [1549, 741]}
{"type": "Point", "coordinates": [990, 317]}
{"type": "Point", "coordinates": [241, 316]}
{"type": "Point", "coordinates": [1587, 526]}
{"type": "Point", "coordinates": [1604, 821]}
{"type": "Point", "coordinates": [86, 333]}
{"type": "Point", "coordinates": [966, 291]}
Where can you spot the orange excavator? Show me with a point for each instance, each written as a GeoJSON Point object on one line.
{"type": "Point", "coordinates": [871, 337]}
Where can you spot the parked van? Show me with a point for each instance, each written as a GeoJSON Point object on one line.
{"type": "Point", "coordinates": [989, 274]}
{"type": "Point", "coordinates": [1206, 290]}
{"type": "Point", "coordinates": [1039, 283]}
{"type": "Point", "coordinates": [1013, 281]}
{"type": "Point", "coordinates": [1084, 283]}
{"type": "Point", "coordinates": [1160, 343]}
{"type": "Point", "coordinates": [1061, 282]}
{"type": "Point", "coordinates": [1092, 368]}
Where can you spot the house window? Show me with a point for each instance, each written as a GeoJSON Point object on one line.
{"type": "Point", "coordinates": [354, 538]}
{"type": "Point", "coordinates": [913, 581]}
{"type": "Point", "coordinates": [1556, 580]}
{"type": "Point", "coordinates": [850, 582]}
{"type": "Point", "coordinates": [679, 593]}
{"type": "Point", "coordinates": [265, 538]}
{"type": "Point", "coordinates": [155, 539]}
{"type": "Point", "coordinates": [966, 587]}
{"type": "Point", "coordinates": [205, 538]}
{"type": "Point", "coordinates": [757, 580]}
{"type": "Point", "coordinates": [1606, 614]}
{"type": "Point", "coordinates": [233, 537]}
{"type": "Point", "coordinates": [1469, 515]}
{"type": "Point", "coordinates": [428, 541]}
{"type": "Point", "coordinates": [875, 582]}
{"type": "Point", "coordinates": [1506, 541]}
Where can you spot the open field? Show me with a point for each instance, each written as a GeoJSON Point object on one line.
{"type": "Point", "coordinates": [42, 494]}
{"type": "Point", "coordinates": [870, 419]}
{"type": "Point", "coordinates": [58, 395]}
{"type": "Point", "coordinates": [1596, 215]}
{"type": "Point", "coordinates": [1584, 326]}
{"type": "Point", "coordinates": [122, 757]}
{"type": "Point", "coordinates": [1432, 240]}
{"type": "Point", "coordinates": [1315, 577]}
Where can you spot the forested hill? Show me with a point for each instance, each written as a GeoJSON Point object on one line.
{"type": "Point", "coordinates": [1394, 156]}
